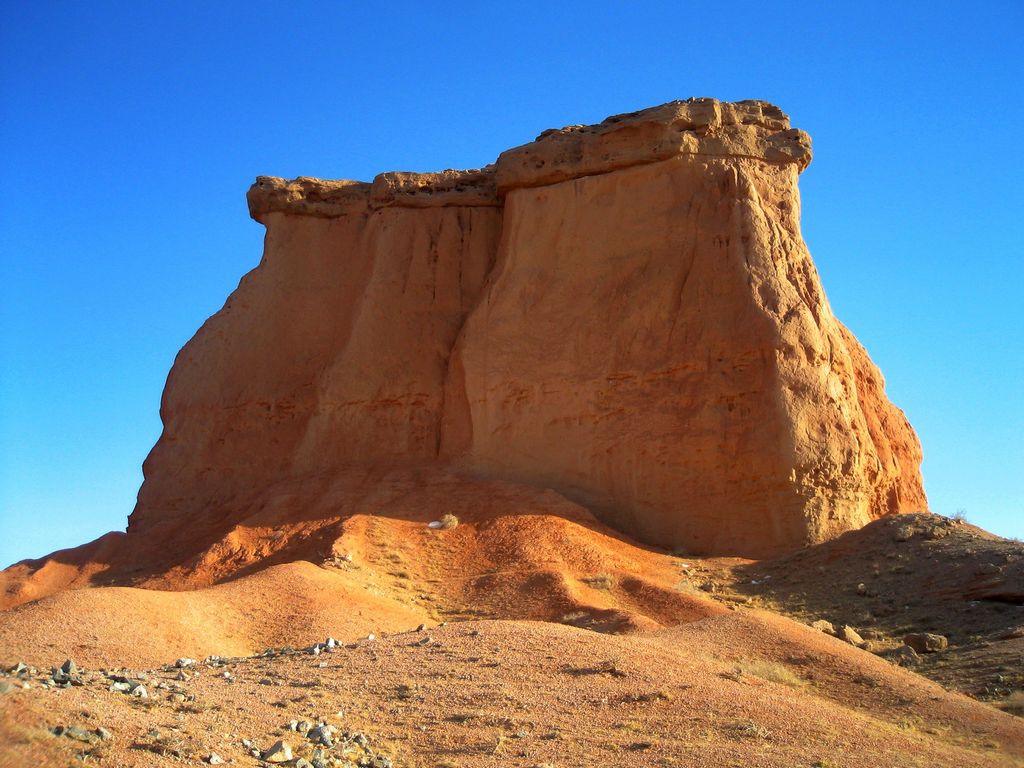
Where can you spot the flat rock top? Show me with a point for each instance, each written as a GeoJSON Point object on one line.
{"type": "Point", "coordinates": [307, 196]}
{"type": "Point", "coordinates": [754, 129]}
{"type": "Point", "coordinates": [700, 126]}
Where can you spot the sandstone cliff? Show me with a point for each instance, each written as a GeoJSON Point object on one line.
{"type": "Point", "coordinates": [625, 313]}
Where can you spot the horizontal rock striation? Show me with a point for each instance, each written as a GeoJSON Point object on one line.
{"type": "Point", "coordinates": [624, 313]}
{"type": "Point", "coordinates": [698, 127]}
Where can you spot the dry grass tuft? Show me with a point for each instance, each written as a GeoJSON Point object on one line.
{"type": "Point", "coordinates": [687, 586]}
{"type": "Point", "coordinates": [405, 691]}
{"type": "Point", "coordinates": [465, 717]}
{"type": "Point", "coordinates": [172, 745]}
{"type": "Point", "coordinates": [599, 581]}
{"type": "Point", "coordinates": [1013, 704]}
{"type": "Point", "coordinates": [752, 730]}
{"type": "Point", "coordinates": [770, 671]}
{"type": "Point", "coordinates": [575, 617]}
{"type": "Point", "coordinates": [646, 698]}
{"type": "Point", "coordinates": [449, 521]}
{"type": "Point", "coordinates": [610, 667]}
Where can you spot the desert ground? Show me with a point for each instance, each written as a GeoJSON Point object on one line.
{"type": "Point", "coordinates": [633, 657]}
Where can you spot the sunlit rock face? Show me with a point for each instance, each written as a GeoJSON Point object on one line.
{"type": "Point", "coordinates": [623, 313]}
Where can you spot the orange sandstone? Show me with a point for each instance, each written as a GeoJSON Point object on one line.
{"type": "Point", "coordinates": [621, 316]}
{"type": "Point", "coordinates": [625, 313]}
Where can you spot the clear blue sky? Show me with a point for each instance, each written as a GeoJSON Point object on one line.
{"type": "Point", "coordinates": [130, 131]}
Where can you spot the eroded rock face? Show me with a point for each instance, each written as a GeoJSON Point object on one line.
{"type": "Point", "coordinates": [624, 313]}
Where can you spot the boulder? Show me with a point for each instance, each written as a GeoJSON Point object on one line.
{"type": "Point", "coordinates": [824, 626]}
{"type": "Point", "coordinates": [904, 656]}
{"type": "Point", "coordinates": [850, 635]}
{"type": "Point", "coordinates": [926, 642]}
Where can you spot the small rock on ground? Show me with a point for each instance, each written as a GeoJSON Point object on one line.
{"type": "Point", "coordinates": [281, 752]}
{"type": "Point", "coordinates": [904, 656]}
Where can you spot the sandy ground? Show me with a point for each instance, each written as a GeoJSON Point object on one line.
{"type": "Point", "coordinates": [488, 693]}
{"type": "Point", "coordinates": [549, 641]}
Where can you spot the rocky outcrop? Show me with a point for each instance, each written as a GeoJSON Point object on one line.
{"type": "Point", "coordinates": [695, 128]}
{"type": "Point", "coordinates": [623, 313]}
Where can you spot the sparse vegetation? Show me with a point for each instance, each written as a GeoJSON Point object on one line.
{"type": "Point", "coordinates": [752, 730]}
{"type": "Point", "coordinates": [463, 717]}
{"type": "Point", "coordinates": [770, 671]}
{"type": "Point", "coordinates": [449, 521]}
{"type": "Point", "coordinates": [499, 743]}
{"type": "Point", "coordinates": [405, 691]}
{"type": "Point", "coordinates": [634, 726]}
{"type": "Point", "coordinates": [195, 708]}
{"type": "Point", "coordinates": [1013, 704]}
{"type": "Point", "coordinates": [609, 667]}
{"type": "Point", "coordinates": [172, 745]}
{"type": "Point", "coordinates": [686, 585]}
{"type": "Point", "coordinates": [646, 698]}
{"type": "Point", "coordinates": [575, 617]}
{"type": "Point", "coordinates": [599, 581]}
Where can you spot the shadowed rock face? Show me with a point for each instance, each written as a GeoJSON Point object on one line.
{"type": "Point", "coordinates": [624, 313]}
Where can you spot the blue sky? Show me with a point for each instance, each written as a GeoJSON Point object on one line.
{"type": "Point", "coordinates": [129, 133]}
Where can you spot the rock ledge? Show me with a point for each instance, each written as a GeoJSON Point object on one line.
{"type": "Point", "coordinates": [699, 126]}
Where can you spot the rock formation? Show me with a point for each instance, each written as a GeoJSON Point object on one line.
{"type": "Point", "coordinates": [623, 313]}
